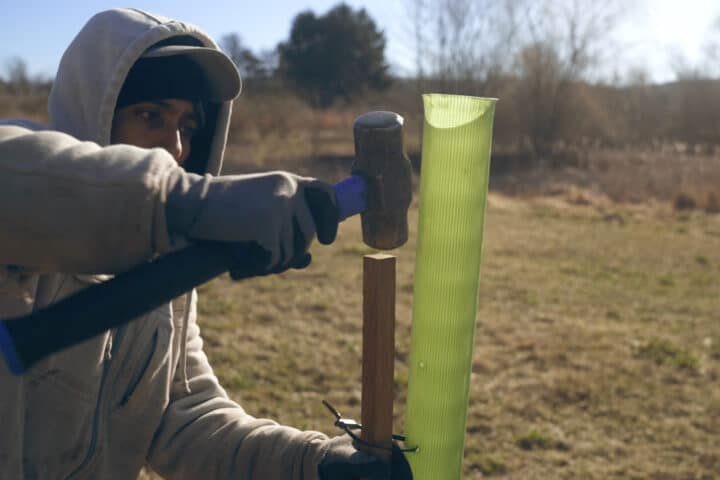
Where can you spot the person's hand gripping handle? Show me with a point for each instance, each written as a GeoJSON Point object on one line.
{"type": "Point", "coordinates": [380, 190]}
{"type": "Point", "coordinates": [26, 340]}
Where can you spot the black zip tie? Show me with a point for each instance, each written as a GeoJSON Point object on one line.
{"type": "Point", "coordinates": [349, 424]}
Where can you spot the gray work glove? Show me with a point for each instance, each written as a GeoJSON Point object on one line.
{"type": "Point", "coordinates": [343, 461]}
{"type": "Point", "coordinates": [277, 213]}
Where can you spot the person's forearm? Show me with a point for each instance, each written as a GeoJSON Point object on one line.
{"type": "Point", "coordinates": [75, 207]}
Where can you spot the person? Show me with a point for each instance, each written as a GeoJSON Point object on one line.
{"type": "Point", "coordinates": [127, 171]}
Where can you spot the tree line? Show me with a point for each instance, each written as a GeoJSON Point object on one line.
{"type": "Point", "coordinates": [541, 58]}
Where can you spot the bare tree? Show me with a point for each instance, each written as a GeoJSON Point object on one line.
{"type": "Point", "coordinates": [711, 50]}
{"type": "Point", "coordinates": [233, 47]}
{"type": "Point", "coordinates": [462, 42]}
{"type": "Point", "coordinates": [685, 69]}
{"type": "Point", "coordinates": [695, 107]}
{"type": "Point", "coordinates": [248, 64]}
{"type": "Point", "coordinates": [695, 119]}
{"type": "Point", "coordinates": [563, 41]}
{"type": "Point", "coordinates": [636, 76]}
{"type": "Point", "coordinates": [269, 61]}
{"type": "Point", "coordinates": [17, 75]}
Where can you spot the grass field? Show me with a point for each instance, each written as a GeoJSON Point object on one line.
{"type": "Point", "coordinates": [597, 349]}
{"type": "Point", "coordinates": [598, 342]}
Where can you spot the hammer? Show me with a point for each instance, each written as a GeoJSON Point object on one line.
{"type": "Point", "coordinates": [379, 189]}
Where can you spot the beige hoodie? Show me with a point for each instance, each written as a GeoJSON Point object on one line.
{"type": "Point", "coordinates": [143, 393]}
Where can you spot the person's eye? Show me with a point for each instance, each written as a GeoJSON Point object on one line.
{"type": "Point", "coordinates": [149, 116]}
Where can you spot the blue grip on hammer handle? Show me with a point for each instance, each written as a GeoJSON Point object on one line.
{"type": "Point", "coordinates": [7, 348]}
{"type": "Point", "coordinates": [26, 340]}
{"type": "Point", "coordinates": [350, 195]}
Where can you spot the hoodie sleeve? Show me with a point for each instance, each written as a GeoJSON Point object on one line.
{"type": "Point", "coordinates": [204, 434]}
{"type": "Point", "coordinates": [76, 207]}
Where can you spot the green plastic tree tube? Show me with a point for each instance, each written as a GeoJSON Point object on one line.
{"type": "Point", "coordinates": [456, 145]}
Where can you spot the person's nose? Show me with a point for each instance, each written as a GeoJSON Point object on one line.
{"type": "Point", "coordinates": [172, 142]}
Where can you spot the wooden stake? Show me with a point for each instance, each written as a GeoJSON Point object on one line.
{"type": "Point", "coordinates": [378, 352]}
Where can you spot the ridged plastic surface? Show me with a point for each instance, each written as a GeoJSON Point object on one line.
{"type": "Point", "coordinates": [457, 139]}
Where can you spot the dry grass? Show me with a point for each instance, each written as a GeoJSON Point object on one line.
{"type": "Point", "coordinates": [598, 343]}
{"type": "Point", "coordinates": [626, 176]}
{"type": "Point", "coordinates": [712, 202]}
{"type": "Point", "coordinates": [31, 106]}
{"type": "Point", "coordinates": [596, 351]}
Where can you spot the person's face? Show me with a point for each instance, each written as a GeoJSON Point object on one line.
{"type": "Point", "coordinates": [168, 124]}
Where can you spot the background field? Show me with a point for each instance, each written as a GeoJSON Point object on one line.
{"type": "Point", "coordinates": [597, 350]}
{"type": "Point", "coordinates": [598, 341]}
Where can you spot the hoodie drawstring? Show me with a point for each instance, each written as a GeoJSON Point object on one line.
{"type": "Point", "coordinates": [183, 344]}
{"type": "Point", "coordinates": [109, 346]}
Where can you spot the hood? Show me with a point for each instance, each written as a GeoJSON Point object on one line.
{"type": "Point", "coordinates": [94, 67]}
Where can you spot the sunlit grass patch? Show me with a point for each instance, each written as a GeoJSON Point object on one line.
{"type": "Point", "coordinates": [664, 352]}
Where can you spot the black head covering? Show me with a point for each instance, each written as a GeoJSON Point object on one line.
{"type": "Point", "coordinates": [162, 78]}
{"type": "Point", "coordinates": [178, 77]}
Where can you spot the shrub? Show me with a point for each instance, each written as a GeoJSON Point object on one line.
{"type": "Point", "coordinates": [683, 201]}
{"type": "Point", "coordinates": [712, 203]}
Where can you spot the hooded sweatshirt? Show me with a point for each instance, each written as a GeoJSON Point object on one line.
{"type": "Point", "coordinates": [74, 208]}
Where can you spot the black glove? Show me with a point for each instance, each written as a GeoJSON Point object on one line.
{"type": "Point", "coordinates": [345, 462]}
{"type": "Point", "coordinates": [272, 218]}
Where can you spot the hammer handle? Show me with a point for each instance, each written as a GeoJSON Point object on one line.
{"type": "Point", "coordinates": [26, 340]}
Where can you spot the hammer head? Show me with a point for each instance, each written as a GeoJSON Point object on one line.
{"type": "Point", "coordinates": [380, 159]}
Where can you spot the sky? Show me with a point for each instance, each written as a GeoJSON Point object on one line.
{"type": "Point", "coordinates": [652, 34]}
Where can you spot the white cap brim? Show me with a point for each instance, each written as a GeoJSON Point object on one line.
{"type": "Point", "coordinates": [223, 78]}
